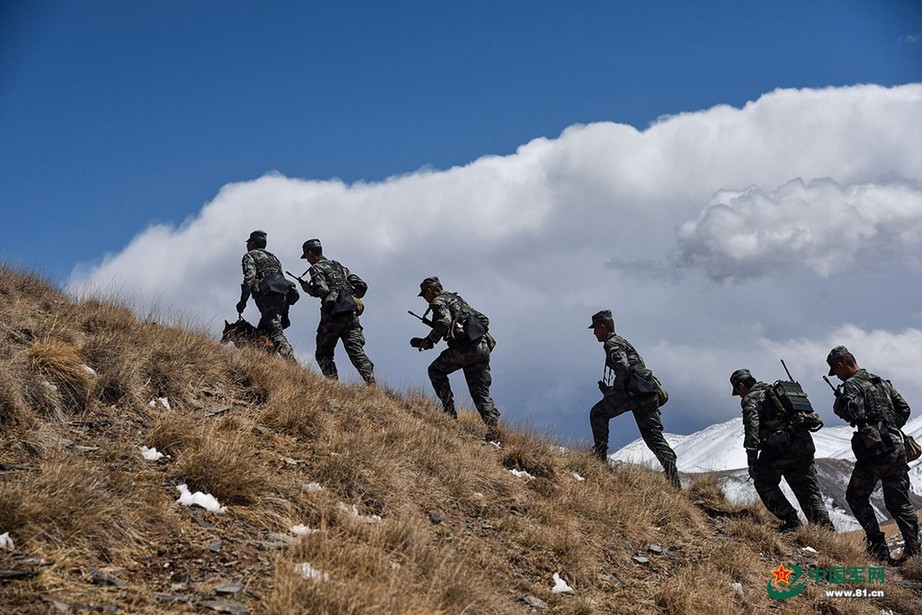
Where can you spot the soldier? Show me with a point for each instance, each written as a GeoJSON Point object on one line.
{"type": "Point", "coordinates": [337, 288]}
{"type": "Point", "coordinates": [774, 450]}
{"type": "Point", "coordinates": [469, 345]}
{"type": "Point", "coordinates": [263, 279]}
{"type": "Point", "coordinates": [873, 406]}
{"type": "Point", "coordinates": [635, 389]}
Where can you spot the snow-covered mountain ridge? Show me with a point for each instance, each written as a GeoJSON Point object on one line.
{"type": "Point", "coordinates": [719, 449]}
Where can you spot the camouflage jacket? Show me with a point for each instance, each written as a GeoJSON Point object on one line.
{"type": "Point", "coordinates": [758, 417]}
{"type": "Point", "coordinates": [329, 278]}
{"type": "Point", "coordinates": [257, 264]}
{"type": "Point", "coordinates": [448, 312]}
{"type": "Point", "coordinates": [622, 359]}
{"type": "Point", "coordinates": [865, 398]}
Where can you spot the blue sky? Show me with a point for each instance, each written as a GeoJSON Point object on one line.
{"type": "Point", "coordinates": [117, 114]}
{"type": "Point", "coordinates": [546, 159]}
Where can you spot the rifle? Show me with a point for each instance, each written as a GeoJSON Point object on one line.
{"type": "Point", "coordinates": [835, 390]}
{"type": "Point", "coordinates": [424, 320]}
{"type": "Point", "coordinates": [298, 277]}
{"type": "Point", "coordinates": [416, 342]}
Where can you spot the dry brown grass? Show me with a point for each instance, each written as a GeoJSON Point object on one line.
{"type": "Point", "coordinates": [443, 526]}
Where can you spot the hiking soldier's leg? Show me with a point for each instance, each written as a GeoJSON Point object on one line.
{"type": "Point", "coordinates": [807, 491]}
{"type": "Point", "coordinates": [895, 483]}
{"type": "Point", "coordinates": [767, 482]}
{"type": "Point", "coordinates": [479, 379]}
{"type": "Point", "coordinates": [599, 416]}
{"type": "Point", "coordinates": [446, 363]}
{"type": "Point", "coordinates": [858, 495]}
{"type": "Point", "coordinates": [328, 332]}
{"type": "Point", "coordinates": [270, 323]}
{"type": "Point", "coordinates": [650, 423]}
{"type": "Point", "coordinates": [801, 477]}
{"type": "Point", "coordinates": [354, 342]}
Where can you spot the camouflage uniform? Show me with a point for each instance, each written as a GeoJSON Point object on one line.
{"type": "Point", "coordinates": [864, 401]}
{"type": "Point", "coordinates": [622, 359]}
{"type": "Point", "coordinates": [775, 452]}
{"type": "Point", "coordinates": [328, 279]}
{"type": "Point", "coordinates": [257, 264]}
{"type": "Point", "coordinates": [448, 311]}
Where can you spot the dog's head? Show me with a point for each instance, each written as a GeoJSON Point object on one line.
{"type": "Point", "coordinates": [236, 331]}
{"type": "Point", "coordinates": [242, 333]}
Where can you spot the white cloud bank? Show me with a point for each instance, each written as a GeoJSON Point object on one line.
{"type": "Point", "coordinates": [717, 237]}
{"type": "Point", "coordinates": [824, 226]}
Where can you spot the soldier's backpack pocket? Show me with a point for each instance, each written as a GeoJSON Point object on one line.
{"type": "Point", "coordinates": [872, 441]}
{"type": "Point", "coordinates": [913, 450]}
{"type": "Point", "coordinates": [343, 304]}
{"type": "Point", "coordinates": [777, 444]}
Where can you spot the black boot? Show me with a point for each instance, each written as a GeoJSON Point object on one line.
{"type": "Point", "coordinates": [600, 451]}
{"type": "Point", "coordinates": [877, 548]}
{"type": "Point", "coordinates": [672, 474]}
{"type": "Point", "coordinates": [789, 524]}
{"type": "Point", "coordinates": [910, 549]}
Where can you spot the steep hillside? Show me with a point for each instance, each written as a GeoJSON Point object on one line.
{"type": "Point", "coordinates": [336, 499]}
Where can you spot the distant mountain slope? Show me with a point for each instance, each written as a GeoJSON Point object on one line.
{"type": "Point", "coordinates": [720, 446]}
{"type": "Point", "coordinates": [719, 449]}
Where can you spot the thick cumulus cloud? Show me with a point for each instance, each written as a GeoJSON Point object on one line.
{"type": "Point", "coordinates": [822, 225]}
{"type": "Point", "coordinates": [808, 200]}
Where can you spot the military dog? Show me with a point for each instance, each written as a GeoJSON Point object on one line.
{"type": "Point", "coordinates": [242, 334]}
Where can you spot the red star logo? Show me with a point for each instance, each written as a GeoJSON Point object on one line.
{"type": "Point", "coordinates": [782, 574]}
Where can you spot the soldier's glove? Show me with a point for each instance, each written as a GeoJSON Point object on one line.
{"type": "Point", "coordinates": [421, 343]}
{"type": "Point", "coordinates": [604, 388]}
{"type": "Point", "coordinates": [241, 305]}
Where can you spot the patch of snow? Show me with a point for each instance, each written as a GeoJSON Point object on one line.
{"type": "Point", "coordinates": [151, 454]}
{"type": "Point", "coordinates": [521, 474]}
{"type": "Point", "coordinates": [302, 530]}
{"type": "Point", "coordinates": [809, 550]}
{"type": "Point", "coordinates": [6, 542]}
{"type": "Point", "coordinates": [560, 586]}
{"type": "Point", "coordinates": [578, 477]}
{"type": "Point", "coordinates": [89, 370]}
{"type": "Point", "coordinates": [313, 487]}
{"type": "Point", "coordinates": [737, 587]}
{"type": "Point", "coordinates": [356, 516]}
{"type": "Point", "coordinates": [163, 401]}
{"type": "Point", "coordinates": [205, 500]}
{"type": "Point", "coordinates": [309, 572]}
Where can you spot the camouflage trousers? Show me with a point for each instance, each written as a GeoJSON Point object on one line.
{"type": "Point", "coordinates": [346, 328]}
{"type": "Point", "coordinates": [476, 365]}
{"type": "Point", "coordinates": [270, 309]}
{"type": "Point", "coordinates": [893, 474]}
{"type": "Point", "coordinates": [798, 469]}
{"type": "Point", "coordinates": [649, 422]}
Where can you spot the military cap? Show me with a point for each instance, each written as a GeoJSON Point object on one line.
{"type": "Point", "coordinates": [430, 282]}
{"type": "Point", "coordinates": [258, 239]}
{"type": "Point", "coordinates": [834, 355]}
{"type": "Point", "coordinates": [602, 316]}
{"type": "Point", "coordinates": [737, 377]}
{"type": "Point", "coordinates": [311, 244]}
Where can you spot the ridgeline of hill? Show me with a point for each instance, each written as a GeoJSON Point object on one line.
{"type": "Point", "coordinates": [413, 512]}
